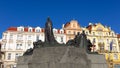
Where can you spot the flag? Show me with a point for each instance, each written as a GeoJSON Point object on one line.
{"type": "Point", "coordinates": [111, 44]}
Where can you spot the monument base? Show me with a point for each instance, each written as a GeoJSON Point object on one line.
{"type": "Point", "coordinates": [61, 57]}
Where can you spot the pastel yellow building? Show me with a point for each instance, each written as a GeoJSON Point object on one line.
{"type": "Point", "coordinates": [101, 36]}
{"type": "Point", "coordinates": [113, 59]}
{"type": "Point", "coordinates": [104, 39]}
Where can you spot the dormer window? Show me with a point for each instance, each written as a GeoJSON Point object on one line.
{"type": "Point", "coordinates": [61, 31]}
{"type": "Point", "coordinates": [20, 29]}
{"type": "Point", "coordinates": [30, 30]}
{"type": "Point", "coordinates": [37, 30]}
{"type": "Point", "coordinates": [54, 30]}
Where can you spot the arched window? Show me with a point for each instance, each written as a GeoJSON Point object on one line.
{"type": "Point", "coordinates": [115, 56]}
{"type": "Point", "coordinates": [30, 30]}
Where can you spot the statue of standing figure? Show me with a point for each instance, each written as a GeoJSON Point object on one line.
{"type": "Point", "coordinates": [80, 40]}
{"type": "Point", "coordinates": [49, 36]}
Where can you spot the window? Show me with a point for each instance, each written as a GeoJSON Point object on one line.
{"type": "Point", "coordinates": [86, 33]}
{"type": "Point", "coordinates": [109, 33]}
{"type": "Point", "coordinates": [21, 29]}
{"type": "Point", "coordinates": [114, 48]}
{"type": "Point", "coordinates": [101, 48]}
{"type": "Point", "coordinates": [94, 40]}
{"type": "Point", "coordinates": [4, 36]}
{"type": "Point", "coordinates": [4, 46]}
{"type": "Point", "coordinates": [112, 34]}
{"type": "Point", "coordinates": [115, 56]}
{"type": "Point", "coordinates": [93, 33]}
{"type": "Point", "coordinates": [107, 41]}
{"type": "Point", "coordinates": [29, 46]}
{"type": "Point", "coordinates": [11, 36]}
{"type": "Point", "coordinates": [114, 41]}
{"type": "Point", "coordinates": [17, 55]}
{"type": "Point", "coordinates": [61, 39]}
{"type": "Point", "coordinates": [9, 56]}
{"type": "Point", "coordinates": [19, 46]}
{"type": "Point", "coordinates": [74, 33]}
{"type": "Point", "coordinates": [69, 38]}
{"type": "Point", "coordinates": [61, 32]}
{"type": "Point", "coordinates": [100, 40]}
{"type": "Point", "coordinates": [30, 30]}
{"type": "Point", "coordinates": [106, 34]}
{"type": "Point", "coordinates": [74, 25]}
{"type": "Point", "coordinates": [37, 37]}
{"type": "Point", "coordinates": [37, 30]}
{"type": "Point", "coordinates": [55, 31]}
{"type": "Point", "coordinates": [69, 32]}
{"type": "Point", "coordinates": [29, 37]}
{"type": "Point", "coordinates": [100, 34]}
{"type": "Point", "coordinates": [10, 46]}
{"type": "Point", "coordinates": [19, 37]}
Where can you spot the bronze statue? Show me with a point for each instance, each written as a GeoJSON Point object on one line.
{"type": "Point", "coordinates": [80, 40]}
{"type": "Point", "coordinates": [49, 36]}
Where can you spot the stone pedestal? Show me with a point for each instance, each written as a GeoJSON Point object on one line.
{"type": "Point", "coordinates": [61, 57]}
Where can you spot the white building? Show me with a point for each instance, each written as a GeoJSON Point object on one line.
{"type": "Point", "coordinates": [16, 40]}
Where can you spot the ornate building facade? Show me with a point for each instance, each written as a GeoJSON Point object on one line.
{"type": "Point", "coordinates": [104, 40]}
{"type": "Point", "coordinates": [16, 40]}
{"type": "Point", "coordinates": [71, 28]}
{"type": "Point", "coordinates": [102, 36]}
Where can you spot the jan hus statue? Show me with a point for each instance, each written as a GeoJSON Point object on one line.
{"type": "Point", "coordinates": [49, 36]}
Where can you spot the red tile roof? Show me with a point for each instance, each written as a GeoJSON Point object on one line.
{"type": "Point", "coordinates": [12, 29]}
{"type": "Point", "coordinates": [26, 29]}
{"type": "Point", "coordinates": [33, 29]}
{"type": "Point", "coordinates": [58, 31]}
{"type": "Point", "coordinates": [90, 27]}
{"type": "Point", "coordinates": [67, 24]}
{"type": "Point", "coordinates": [42, 30]}
{"type": "Point", "coordinates": [118, 35]}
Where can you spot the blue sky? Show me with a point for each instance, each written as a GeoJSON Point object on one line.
{"type": "Point", "coordinates": [34, 12]}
